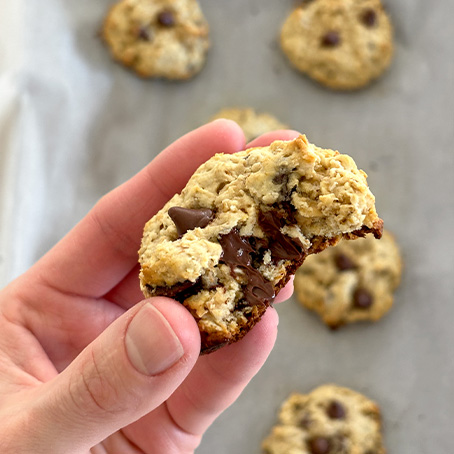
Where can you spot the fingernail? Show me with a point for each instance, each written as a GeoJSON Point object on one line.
{"type": "Point", "coordinates": [151, 344]}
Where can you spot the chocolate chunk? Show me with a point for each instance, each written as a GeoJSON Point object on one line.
{"type": "Point", "coordinates": [335, 410]}
{"type": "Point", "coordinates": [362, 299]}
{"type": "Point", "coordinates": [174, 290]}
{"type": "Point", "coordinates": [369, 18]}
{"type": "Point", "coordinates": [331, 39]}
{"type": "Point", "coordinates": [166, 18]}
{"type": "Point", "coordinates": [236, 252]}
{"type": "Point", "coordinates": [282, 247]}
{"type": "Point", "coordinates": [187, 219]}
{"type": "Point", "coordinates": [258, 290]}
{"type": "Point", "coordinates": [235, 249]}
{"type": "Point", "coordinates": [144, 34]}
{"type": "Point", "coordinates": [343, 262]}
{"type": "Point", "coordinates": [319, 445]}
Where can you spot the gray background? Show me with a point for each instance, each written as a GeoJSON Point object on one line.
{"type": "Point", "coordinates": [73, 125]}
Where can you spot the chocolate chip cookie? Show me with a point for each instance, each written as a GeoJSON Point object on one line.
{"type": "Point", "coordinates": [252, 123]}
{"type": "Point", "coordinates": [158, 38]}
{"type": "Point", "coordinates": [244, 223]}
{"type": "Point", "coordinates": [343, 44]}
{"type": "Point", "coordinates": [329, 420]}
{"type": "Point", "coordinates": [351, 282]}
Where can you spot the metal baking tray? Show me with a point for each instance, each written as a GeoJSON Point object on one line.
{"type": "Point", "coordinates": [87, 125]}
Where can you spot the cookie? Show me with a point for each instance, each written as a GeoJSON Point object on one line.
{"type": "Point", "coordinates": [343, 44]}
{"type": "Point", "coordinates": [158, 38]}
{"type": "Point", "coordinates": [252, 123]}
{"type": "Point", "coordinates": [329, 420]}
{"type": "Point", "coordinates": [351, 282]}
{"type": "Point", "coordinates": [243, 224]}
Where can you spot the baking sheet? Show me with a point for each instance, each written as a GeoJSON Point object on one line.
{"type": "Point", "coordinates": [73, 125]}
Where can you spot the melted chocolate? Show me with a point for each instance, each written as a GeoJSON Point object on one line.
{"type": "Point", "coordinates": [237, 254]}
{"type": "Point", "coordinates": [176, 291]}
{"type": "Point", "coordinates": [282, 247]}
{"type": "Point", "coordinates": [187, 219]}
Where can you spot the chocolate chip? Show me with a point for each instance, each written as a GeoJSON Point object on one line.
{"type": "Point", "coordinates": [319, 445]}
{"type": "Point", "coordinates": [166, 18]}
{"type": "Point", "coordinates": [331, 39]}
{"type": "Point", "coordinates": [187, 219]}
{"type": "Point", "coordinates": [335, 410]}
{"type": "Point", "coordinates": [369, 18]}
{"type": "Point", "coordinates": [343, 262]}
{"type": "Point", "coordinates": [362, 299]}
{"type": "Point", "coordinates": [144, 34]}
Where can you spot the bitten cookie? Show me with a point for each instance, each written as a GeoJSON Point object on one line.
{"type": "Point", "coordinates": [329, 420]}
{"type": "Point", "coordinates": [351, 282]}
{"type": "Point", "coordinates": [158, 38]}
{"type": "Point", "coordinates": [242, 226]}
{"type": "Point", "coordinates": [252, 123]}
{"type": "Point", "coordinates": [343, 44]}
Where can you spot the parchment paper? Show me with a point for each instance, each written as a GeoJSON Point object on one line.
{"type": "Point", "coordinates": [73, 125]}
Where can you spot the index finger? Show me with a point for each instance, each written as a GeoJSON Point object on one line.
{"type": "Point", "coordinates": [103, 247]}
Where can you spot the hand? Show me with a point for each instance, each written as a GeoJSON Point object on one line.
{"type": "Point", "coordinates": [85, 364]}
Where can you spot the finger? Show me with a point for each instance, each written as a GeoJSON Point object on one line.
{"type": "Point", "coordinates": [286, 292]}
{"type": "Point", "coordinates": [213, 385]}
{"type": "Point", "coordinates": [265, 139]}
{"type": "Point", "coordinates": [127, 292]}
{"type": "Point", "coordinates": [102, 248]}
{"type": "Point", "coordinates": [129, 370]}
{"type": "Point", "coordinates": [219, 378]}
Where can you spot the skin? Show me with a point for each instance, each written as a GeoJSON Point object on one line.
{"type": "Point", "coordinates": [67, 384]}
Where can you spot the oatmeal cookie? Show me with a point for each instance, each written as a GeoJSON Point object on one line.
{"type": "Point", "coordinates": [343, 44]}
{"type": "Point", "coordinates": [351, 282]}
{"type": "Point", "coordinates": [158, 38]}
{"type": "Point", "coordinates": [329, 420]}
{"type": "Point", "coordinates": [244, 223]}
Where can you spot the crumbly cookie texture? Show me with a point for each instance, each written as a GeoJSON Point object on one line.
{"type": "Point", "coordinates": [253, 123]}
{"type": "Point", "coordinates": [329, 420]}
{"type": "Point", "coordinates": [343, 44]}
{"type": "Point", "coordinates": [351, 282]}
{"type": "Point", "coordinates": [158, 38]}
{"type": "Point", "coordinates": [244, 223]}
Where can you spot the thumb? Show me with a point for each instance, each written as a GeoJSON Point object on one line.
{"type": "Point", "coordinates": [129, 370]}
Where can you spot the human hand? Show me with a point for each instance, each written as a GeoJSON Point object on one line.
{"type": "Point", "coordinates": [87, 365]}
